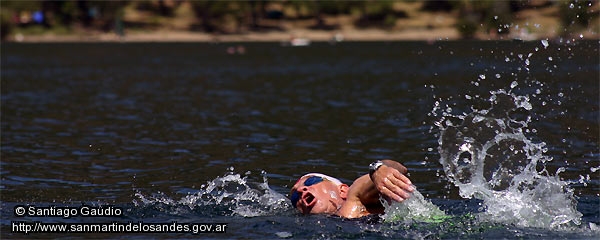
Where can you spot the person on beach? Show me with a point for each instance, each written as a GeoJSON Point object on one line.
{"type": "Point", "coordinates": [316, 193]}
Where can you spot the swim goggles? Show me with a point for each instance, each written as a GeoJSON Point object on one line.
{"type": "Point", "coordinates": [312, 180]}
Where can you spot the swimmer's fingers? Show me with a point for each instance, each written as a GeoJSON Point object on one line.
{"type": "Point", "coordinates": [396, 178]}
{"type": "Point", "coordinates": [403, 181]}
{"type": "Point", "coordinates": [388, 193]}
{"type": "Point", "coordinates": [398, 187]}
{"type": "Point", "coordinates": [382, 183]}
{"type": "Point", "coordinates": [392, 183]}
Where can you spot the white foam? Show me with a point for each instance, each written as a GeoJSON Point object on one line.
{"type": "Point", "coordinates": [487, 156]}
{"type": "Point", "coordinates": [243, 198]}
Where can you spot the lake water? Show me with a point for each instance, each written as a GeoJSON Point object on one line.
{"type": "Point", "coordinates": [503, 137]}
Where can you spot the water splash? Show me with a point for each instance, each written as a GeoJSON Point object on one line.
{"type": "Point", "coordinates": [415, 208]}
{"type": "Point", "coordinates": [231, 194]}
{"type": "Point", "coordinates": [487, 155]}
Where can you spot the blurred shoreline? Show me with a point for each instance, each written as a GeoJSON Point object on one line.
{"type": "Point", "coordinates": [297, 22]}
{"type": "Point", "coordinates": [438, 34]}
{"type": "Point", "coordinates": [287, 36]}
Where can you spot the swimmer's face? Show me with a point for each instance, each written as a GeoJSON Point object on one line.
{"type": "Point", "coordinates": [313, 194]}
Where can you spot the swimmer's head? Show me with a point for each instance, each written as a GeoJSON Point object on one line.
{"type": "Point", "coordinates": [318, 193]}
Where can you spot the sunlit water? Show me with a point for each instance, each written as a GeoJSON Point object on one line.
{"type": "Point", "coordinates": [500, 138]}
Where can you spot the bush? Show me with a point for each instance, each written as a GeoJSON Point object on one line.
{"type": "Point", "coordinates": [466, 27]}
{"type": "Point", "coordinates": [5, 24]}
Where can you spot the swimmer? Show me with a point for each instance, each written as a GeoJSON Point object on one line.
{"type": "Point", "coordinates": [317, 193]}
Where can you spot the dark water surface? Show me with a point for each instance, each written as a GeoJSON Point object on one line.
{"type": "Point", "coordinates": [186, 132]}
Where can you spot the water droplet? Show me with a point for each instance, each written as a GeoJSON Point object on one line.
{"type": "Point", "coordinates": [498, 75]}
{"type": "Point", "coordinates": [482, 76]}
{"type": "Point", "coordinates": [550, 58]}
{"type": "Point", "coordinates": [507, 59]}
{"type": "Point", "coordinates": [545, 43]}
{"type": "Point", "coordinates": [513, 84]}
{"type": "Point", "coordinates": [284, 234]}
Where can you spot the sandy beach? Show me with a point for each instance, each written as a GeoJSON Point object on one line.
{"type": "Point", "coordinates": [528, 24]}
{"type": "Point", "coordinates": [186, 36]}
{"type": "Point", "coordinates": [438, 34]}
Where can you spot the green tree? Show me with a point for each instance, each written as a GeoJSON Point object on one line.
{"type": "Point", "coordinates": [377, 13]}
{"type": "Point", "coordinates": [5, 25]}
{"type": "Point", "coordinates": [210, 13]}
{"type": "Point", "coordinates": [495, 16]}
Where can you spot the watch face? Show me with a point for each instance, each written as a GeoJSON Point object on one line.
{"type": "Point", "coordinates": [375, 165]}
{"type": "Point", "coordinates": [372, 166]}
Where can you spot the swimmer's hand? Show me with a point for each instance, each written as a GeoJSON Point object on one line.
{"type": "Point", "coordinates": [391, 183]}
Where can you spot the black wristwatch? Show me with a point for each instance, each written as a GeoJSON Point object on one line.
{"type": "Point", "coordinates": [374, 166]}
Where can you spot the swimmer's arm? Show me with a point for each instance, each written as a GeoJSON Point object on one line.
{"type": "Point", "coordinates": [363, 196]}
{"type": "Point", "coordinates": [362, 199]}
{"type": "Point", "coordinates": [398, 166]}
{"type": "Point", "coordinates": [390, 180]}
{"type": "Point", "coordinates": [364, 190]}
